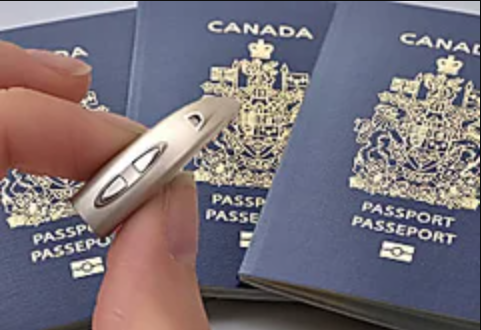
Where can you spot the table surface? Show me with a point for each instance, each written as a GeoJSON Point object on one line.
{"type": "Point", "coordinates": [224, 315]}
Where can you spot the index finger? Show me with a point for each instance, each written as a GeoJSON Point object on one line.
{"type": "Point", "coordinates": [43, 71]}
{"type": "Point", "coordinates": [43, 135]}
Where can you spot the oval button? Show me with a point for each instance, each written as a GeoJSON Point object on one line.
{"type": "Point", "coordinates": [147, 160]}
{"type": "Point", "coordinates": [112, 191]}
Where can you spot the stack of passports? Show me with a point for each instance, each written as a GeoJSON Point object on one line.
{"type": "Point", "coordinates": [51, 264]}
{"type": "Point", "coordinates": [375, 209]}
{"type": "Point", "coordinates": [355, 159]}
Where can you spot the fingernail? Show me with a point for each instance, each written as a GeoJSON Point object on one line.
{"type": "Point", "coordinates": [60, 63]}
{"type": "Point", "coordinates": [185, 179]}
{"type": "Point", "coordinates": [183, 222]}
{"type": "Point", "coordinates": [121, 122]}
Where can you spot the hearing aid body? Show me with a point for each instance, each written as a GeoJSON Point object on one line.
{"type": "Point", "coordinates": [152, 161]}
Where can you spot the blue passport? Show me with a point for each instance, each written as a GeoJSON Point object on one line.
{"type": "Point", "coordinates": [375, 209]}
{"type": "Point", "coordinates": [51, 264]}
{"type": "Point", "coordinates": [259, 52]}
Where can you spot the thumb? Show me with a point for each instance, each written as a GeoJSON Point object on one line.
{"type": "Point", "coordinates": [151, 282]}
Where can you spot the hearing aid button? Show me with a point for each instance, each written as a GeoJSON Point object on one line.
{"type": "Point", "coordinates": [112, 191]}
{"type": "Point", "coordinates": [197, 120]}
{"type": "Point", "coordinates": [148, 159]}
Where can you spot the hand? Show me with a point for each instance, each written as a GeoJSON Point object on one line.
{"type": "Point", "coordinates": [151, 281]}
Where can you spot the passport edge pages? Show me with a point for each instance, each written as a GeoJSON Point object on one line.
{"type": "Point", "coordinates": [254, 270]}
{"type": "Point", "coordinates": [56, 251]}
{"type": "Point", "coordinates": [221, 27]}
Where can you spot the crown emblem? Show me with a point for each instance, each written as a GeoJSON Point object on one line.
{"type": "Point", "coordinates": [449, 66]}
{"type": "Point", "coordinates": [423, 142]}
{"type": "Point", "coordinates": [248, 153]}
{"type": "Point", "coordinates": [30, 201]}
{"type": "Point", "coordinates": [261, 50]}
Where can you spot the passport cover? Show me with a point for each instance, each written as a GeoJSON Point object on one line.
{"type": "Point", "coordinates": [375, 209]}
{"type": "Point", "coordinates": [259, 52]}
{"type": "Point", "coordinates": [51, 264]}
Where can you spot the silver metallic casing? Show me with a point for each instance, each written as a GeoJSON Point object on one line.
{"type": "Point", "coordinates": [152, 161]}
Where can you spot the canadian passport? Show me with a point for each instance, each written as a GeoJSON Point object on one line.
{"type": "Point", "coordinates": [262, 53]}
{"type": "Point", "coordinates": [375, 212]}
{"type": "Point", "coordinates": [51, 265]}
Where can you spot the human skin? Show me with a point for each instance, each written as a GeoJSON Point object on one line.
{"type": "Point", "coordinates": [151, 282]}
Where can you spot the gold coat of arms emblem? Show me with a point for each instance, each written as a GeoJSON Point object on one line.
{"type": "Point", "coordinates": [248, 153]}
{"type": "Point", "coordinates": [423, 143]}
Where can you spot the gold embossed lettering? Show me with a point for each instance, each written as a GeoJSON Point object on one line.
{"type": "Point", "coordinates": [378, 209]}
{"type": "Point", "coordinates": [367, 224]}
{"type": "Point", "coordinates": [67, 249]}
{"type": "Point", "coordinates": [233, 28]}
{"type": "Point", "coordinates": [65, 53]}
{"type": "Point", "coordinates": [243, 201]}
{"type": "Point", "coordinates": [237, 217]}
{"type": "Point", "coordinates": [412, 231]}
{"type": "Point", "coordinates": [411, 214]}
{"type": "Point", "coordinates": [367, 206]}
{"type": "Point", "coordinates": [37, 238]}
{"type": "Point", "coordinates": [462, 47]}
{"type": "Point", "coordinates": [252, 29]}
{"type": "Point", "coordinates": [409, 39]}
{"type": "Point", "coordinates": [216, 199]}
{"type": "Point", "coordinates": [425, 41]}
{"type": "Point", "coordinates": [390, 211]}
{"type": "Point", "coordinates": [424, 218]}
{"type": "Point", "coordinates": [438, 220]}
{"type": "Point", "coordinates": [269, 30]}
{"type": "Point", "coordinates": [287, 31]}
{"type": "Point", "coordinates": [444, 44]}
{"type": "Point", "coordinates": [305, 33]}
{"type": "Point", "coordinates": [79, 52]}
{"type": "Point", "coordinates": [401, 230]}
{"type": "Point", "coordinates": [400, 213]}
{"type": "Point", "coordinates": [380, 226]}
{"type": "Point", "coordinates": [451, 238]}
{"type": "Point", "coordinates": [404, 231]}
{"type": "Point", "coordinates": [450, 221]}
{"type": "Point", "coordinates": [70, 249]}
{"type": "Point", "coordinates": [259, 30]}
{"type": "Point", "coordinates": [216, 27]}
{"type": "Point", "coordinates": [357, 220]}
{"type": "Point", "coordinates": [426, 235]}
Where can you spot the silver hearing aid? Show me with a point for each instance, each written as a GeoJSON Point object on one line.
{"type": "Point", "coordinates": [133, 176]}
